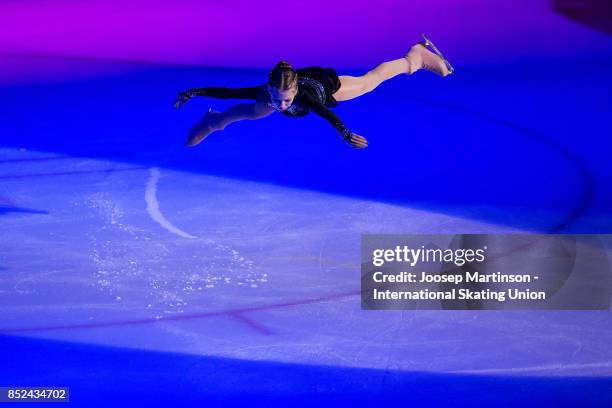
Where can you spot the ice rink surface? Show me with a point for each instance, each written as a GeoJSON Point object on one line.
{"type": "Point", "coordinates": [129, 262]}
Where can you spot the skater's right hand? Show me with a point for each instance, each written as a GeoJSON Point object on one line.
{"type": "Point", "coordinates": [357, 141]}
{"type": "Point", "coordinates": [182, 98]}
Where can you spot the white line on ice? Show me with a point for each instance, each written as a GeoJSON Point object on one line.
{"type": "Point", "coordinates": [153, 205]}
{"type": "Point", "coordinates": [546, 368]}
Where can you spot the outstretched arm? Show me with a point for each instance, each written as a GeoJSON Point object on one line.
{"type": "Point", "coordinates": [354, 139]}
{"type": "Point", "coordinates": [253, 93]}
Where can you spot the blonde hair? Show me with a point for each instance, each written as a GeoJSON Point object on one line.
{"type": "Point", "coordinates": [282, 76]}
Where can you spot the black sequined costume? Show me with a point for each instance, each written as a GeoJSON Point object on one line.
{"type": "Point", "coordinates": [316, 87]}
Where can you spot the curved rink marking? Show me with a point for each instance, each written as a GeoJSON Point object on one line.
{"type": "Point", "coordinates": [579, 165]}
{"type": "Point", "coordinates": [153, 205]}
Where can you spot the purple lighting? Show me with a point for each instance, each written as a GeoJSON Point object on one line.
{"type": "Point", "coordinates": [345, 34]}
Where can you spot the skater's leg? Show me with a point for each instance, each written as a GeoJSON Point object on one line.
{"type": "Point", "coordinates": [418, 57]}
{"type": "Point", "coordinates": [214, 121]}
{"type": "Point", "coordinates": [352, 87]}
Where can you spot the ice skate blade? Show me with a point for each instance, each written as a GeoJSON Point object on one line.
{"type": "Point", "coordinates": [428, 43]}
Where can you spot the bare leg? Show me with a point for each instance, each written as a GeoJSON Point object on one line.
{"type": "Point", "coordinates": [352, 87]}
{"type": "Point", "coordinates": [418, 57]}
{"type": "Point", "coordinates": [213, 121]}
{"type": "Point", "coordinates": [243, 111]}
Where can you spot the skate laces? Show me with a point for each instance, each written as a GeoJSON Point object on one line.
{"type": "Point", "coordinates": [427, 54]}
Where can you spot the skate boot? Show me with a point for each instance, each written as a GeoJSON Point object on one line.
{"type": "Point", "coordinates": [420, 57]}
{"type": "Point", "coordinates": [203, 128]}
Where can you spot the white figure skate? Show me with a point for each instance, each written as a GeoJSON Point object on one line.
{"type": "Point", "coordinates": [427, 42]}
{"type": "Point", "coordinates": [202, 129]}
{"type": "Point", "coordinates": [425, 55]}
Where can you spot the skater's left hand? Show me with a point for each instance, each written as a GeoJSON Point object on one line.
{"type": "Point", "coordinates": [357, 141]}
{"type": "Point", "coordinates": [181, 99]}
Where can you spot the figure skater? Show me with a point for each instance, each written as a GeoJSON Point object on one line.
{"type": "Point", "coordinates": [294, 93]}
